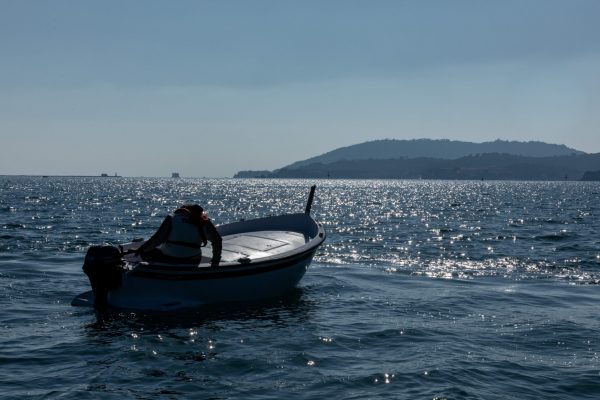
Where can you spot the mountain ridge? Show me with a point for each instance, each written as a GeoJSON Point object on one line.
{"type": "Point", "coordinates": [435, 148]}
{"type": "Point", "coordinates": [443, 159]}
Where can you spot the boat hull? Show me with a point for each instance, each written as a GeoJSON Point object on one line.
{"type": "Point", "coordinates": [149, 291]}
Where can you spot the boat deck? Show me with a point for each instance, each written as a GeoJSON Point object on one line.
{"type": "Point", "coordinates": [258, 244]}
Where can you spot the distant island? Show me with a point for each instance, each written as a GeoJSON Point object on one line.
{"type": "Point", "coordinates": [443, 159]}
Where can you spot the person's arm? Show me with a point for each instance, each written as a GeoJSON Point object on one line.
{"type": "Point", "coordinates": [215, 240]}
{"type": "Point", "coordinates": [160, 236]}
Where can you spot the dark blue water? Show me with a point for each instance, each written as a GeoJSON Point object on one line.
{"type": "Point", "coordinates": [426, 290]}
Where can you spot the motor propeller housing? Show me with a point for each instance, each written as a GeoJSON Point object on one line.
{"type": "Point", "coordinates": [104, 267]}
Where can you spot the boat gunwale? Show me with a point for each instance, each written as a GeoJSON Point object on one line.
{"type": "Point", "coordinates": [234, 268]}
{"type": "Point", "coordinates": [232, 271]}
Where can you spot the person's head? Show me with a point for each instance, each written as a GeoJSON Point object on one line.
{"type": "Point", "coordinates": [193, 209]}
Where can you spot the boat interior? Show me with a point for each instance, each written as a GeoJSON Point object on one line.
{"type": "Point", "coordinates": [242, 247]}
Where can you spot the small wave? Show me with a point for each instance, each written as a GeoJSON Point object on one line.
{"type": "Point", "coordinates": [569, 247]}
{"type": "Point", "coordinates": [553, 221]}
{"type": "Point", "coordinates": [17, 226]}
{"type": "Point", "coordinates": [555, 237]}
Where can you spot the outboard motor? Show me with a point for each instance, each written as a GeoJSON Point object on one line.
{"type": "Point", "coordinates": [104, 267]}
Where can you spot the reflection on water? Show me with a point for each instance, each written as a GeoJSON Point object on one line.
{"type": "Point", "coordinates": [290, 308]}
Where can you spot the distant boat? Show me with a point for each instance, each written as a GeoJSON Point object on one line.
{"type": "Point", "coordinates": [175, 175]}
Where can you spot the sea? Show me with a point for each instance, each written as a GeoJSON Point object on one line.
{"type": "Point", "coordinates": [422, 290]}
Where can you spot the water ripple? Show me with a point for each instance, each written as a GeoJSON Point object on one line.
{"type": "Point", "coordinates": [423, 289]}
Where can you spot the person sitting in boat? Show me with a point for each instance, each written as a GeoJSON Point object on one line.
{"type": "Point", "coordinates": [182, 235]}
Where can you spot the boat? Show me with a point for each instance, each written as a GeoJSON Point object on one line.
{"type": "Point", "coordinates": [261, 258]}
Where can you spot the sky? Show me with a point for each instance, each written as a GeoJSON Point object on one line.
{"type": "Point", "coordinates": [209, 88]}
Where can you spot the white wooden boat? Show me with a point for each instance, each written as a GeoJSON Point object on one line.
{"type": "Point", "coordinates": [261, 258]}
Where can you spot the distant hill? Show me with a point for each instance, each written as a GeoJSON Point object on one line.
{"type": "Point", "coordinates": [444, 149]}
{"type": "Point", "coordinates": [482, 166]}
{"type": "Point", "coordinates": [442, 159]}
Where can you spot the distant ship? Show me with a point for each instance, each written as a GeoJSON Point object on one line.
{"type": "Point", "coordinates": [109, 176]}
{"type": "Point", "coordinates": [175, 175]}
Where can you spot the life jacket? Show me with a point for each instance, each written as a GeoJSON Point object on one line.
{"type": "Point", "coordinates": [186, 237]}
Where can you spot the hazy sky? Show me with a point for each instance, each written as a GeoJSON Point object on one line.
{"type": "Point", "coordinates": [145, 88]}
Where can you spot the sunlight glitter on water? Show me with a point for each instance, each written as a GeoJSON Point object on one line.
{"type": "Point", "coordinates": [371, 318]}
{"type": "Point", "coordinates": [406, 223]}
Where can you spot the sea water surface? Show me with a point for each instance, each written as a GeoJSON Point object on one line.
{"type": "Point", "coordinates": [422, 290]}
